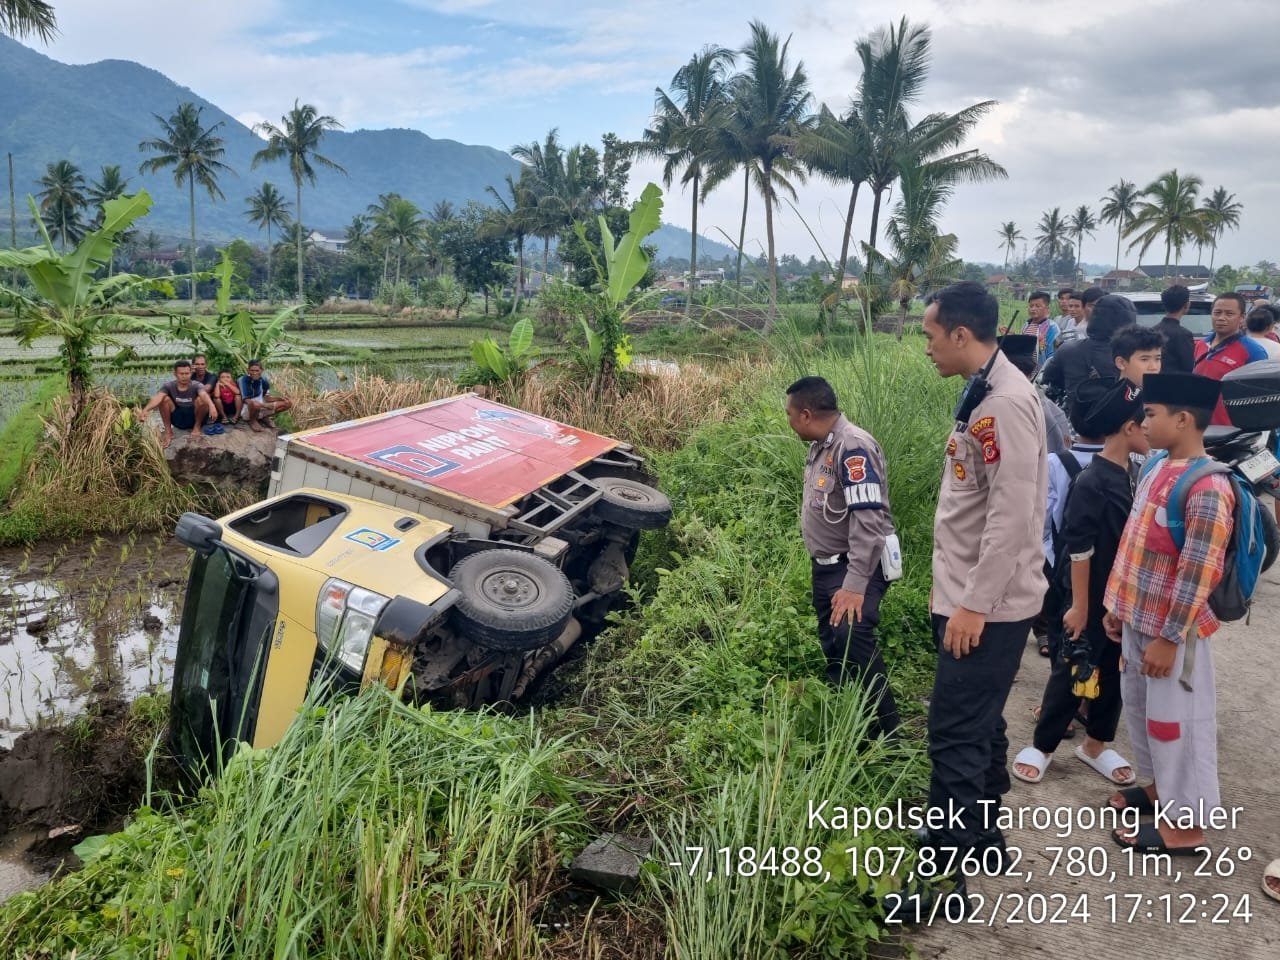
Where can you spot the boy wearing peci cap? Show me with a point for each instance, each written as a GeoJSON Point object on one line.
{"type": "Point", "coordinates": [1157, 606]}
{"type": "Point", "coordinates": [1096, 511]}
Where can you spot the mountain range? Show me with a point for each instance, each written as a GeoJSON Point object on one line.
{"type": "Point", "coordinates": [96, 114]}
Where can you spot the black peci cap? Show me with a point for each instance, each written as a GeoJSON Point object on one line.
{"type": "Point", "coordinates": [1181, 390]}
{"type": "Point", "coordinates": [1019, 345]}
{"type": "Point", "coordinates": [1101, 406]}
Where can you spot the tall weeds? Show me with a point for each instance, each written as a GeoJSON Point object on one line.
{"type": "Point", "coordinates": [97, 472]}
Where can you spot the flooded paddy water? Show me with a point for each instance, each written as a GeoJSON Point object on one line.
{"type": "Point", "coordinates": [78, 621]}
{"type": "Point", "coordinates": [85, 627]}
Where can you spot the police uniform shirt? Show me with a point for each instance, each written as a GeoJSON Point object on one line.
{"type": "Point", "coordinates": [988, 553]}
{"type": "Point", "coordinates": [846, 501]}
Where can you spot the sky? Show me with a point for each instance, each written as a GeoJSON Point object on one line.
{"type": "Point", "coordinates": [1089, 91]}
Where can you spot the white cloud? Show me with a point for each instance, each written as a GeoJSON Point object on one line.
{"type": "Point", "coordinates": [1090, 90]}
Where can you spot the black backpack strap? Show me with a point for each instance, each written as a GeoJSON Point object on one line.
{"type": "Point", "coordinates": [1069, 463]}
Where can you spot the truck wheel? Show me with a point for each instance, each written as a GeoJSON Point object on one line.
{"type": "Point", "coordinates": [510, 601]}
{"type": "Point", "coordinates": [632, 504]}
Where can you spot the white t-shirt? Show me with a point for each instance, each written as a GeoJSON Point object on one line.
{"type": "Point", "coordinates": [1272, 348]}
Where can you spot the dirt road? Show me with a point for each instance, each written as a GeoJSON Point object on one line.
{"type": "Point", "coordinates": [1154, 916]}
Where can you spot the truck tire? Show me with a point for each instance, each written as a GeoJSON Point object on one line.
{"type": "Point", "coordinates": [632, 504]}
{"type": "Point", "coordinates": [511, 601]}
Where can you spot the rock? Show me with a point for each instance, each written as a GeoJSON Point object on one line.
{"type": "Point", "coordinates": [612, 862]}
{"type": "Point", "coordinates": [240, 457]}
{"type": "Point", "coordinates": [151, 623]}
{"type": "Point", "coordinates": [37, 626]}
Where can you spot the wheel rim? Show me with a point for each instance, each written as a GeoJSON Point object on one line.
{"type": "Point", "coordinates": [510, 589]}
{"type": "Point", "coordinates": [629, 494]}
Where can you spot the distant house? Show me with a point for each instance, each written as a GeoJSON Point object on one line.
{"type": "Point", "coordinates": [1176, 273]}
{"type": "Point", "coordinates": [1121, 279]}
{"type": "Point", "coordinates": [847, 282]}
{"type": "Point", "coordinates": [998, 280]}
{"type": "Point", "coordinates": [322, 242]}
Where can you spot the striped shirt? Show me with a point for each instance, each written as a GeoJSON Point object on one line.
{"type": "Point", "coordinates": [1153, 587]}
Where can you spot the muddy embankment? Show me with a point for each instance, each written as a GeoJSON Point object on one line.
{"type": "Point", "coordinates": [85, 630]}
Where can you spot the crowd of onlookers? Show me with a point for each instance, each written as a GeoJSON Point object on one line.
{"type": "Point", "coordinates": [199, 400]}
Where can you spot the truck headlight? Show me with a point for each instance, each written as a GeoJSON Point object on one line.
{"type": "Point", "coordinates": [345, 615]}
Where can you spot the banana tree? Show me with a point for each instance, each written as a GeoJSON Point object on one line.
{"type": "Point", "coordinates": [625, 263]}
{"type": "Point", "coordinates": [71, 302]}
{"type": "Point", "coordinates": [232, 335]}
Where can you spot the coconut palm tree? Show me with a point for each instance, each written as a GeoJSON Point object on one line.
{"type": "Point", "coordinates": [837, 148]}
{"type": "Point", "coordinates": [1169, 208]}
{"type": "Point", "coordinates": [400, 224]}
{"type": "Point", "coordinates": [512, 219]}
{"type": "Point", "coordinates": [1082, 222]}
{"type": "Point", "coordinates": [1051, 241]}
{"type": "Point", "coordinates": [298, 141]}
{"type": "Point", "coordinates": [920, 256]}
{"type": "Point", "coordinates": [895, 65]}
{"type": "Point", "coordinates": [195, 154]}
{"type": "Point", "coordinates": [442, 212]}
{"type": "Point", "coordinates": [22, 18]}
{"type": "Point", "coordinates": [546, 171]}
{"type": "Point", "coordinates": [681, 130]}
{"type": "Point", "coordinates": [267, 208]}
{"type": "Point", "coordinates": [1009, 235]}
{"type": "Point", "coordinates": [772, 108]}
{"type": "Point", "coordinates": [62, 201]}
{"type": "Point", "coordinates": [727, 152]}
{"type": "Point", "coordinates": [1118, 207]}
{"type": "Point", "coordinates": [111, 183]}
{"type": "Point", "coordinates": [1224, 212]}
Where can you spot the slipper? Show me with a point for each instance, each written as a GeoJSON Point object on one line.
{"type": "Point", "coordinates": [1044, 648]}
{"type": "Point", "coordinates": [1032, 758]}
{"type": "Point", "coordinates": [1135, 798]}
{"type": "Point", "coordinates": [212, 430]}
{"type": "Point", "coordinates": [1272, 871]}
{"type": "Point", "coordinates": [1149, 840]}
{"type": "Point", "coordinates": [1107, 763]}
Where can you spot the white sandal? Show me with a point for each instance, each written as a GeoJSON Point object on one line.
{"type": "Point", "coordinates": [1107, 763]}
{"type": "Point", "coordinates": [1031, 757]}
{"type": "Point", "coordinates": [1272, 871]}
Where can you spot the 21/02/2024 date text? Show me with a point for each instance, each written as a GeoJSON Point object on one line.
{"type": "Point", "coordinates": [1032, 909]}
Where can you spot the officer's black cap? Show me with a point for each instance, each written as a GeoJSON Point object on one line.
{"type": "Point", "coordinates": [1102, 406]}
{"type": "Point", "coordinates": [1019, 345]}
{"type": "Point", "coordinates": [1181, 390]}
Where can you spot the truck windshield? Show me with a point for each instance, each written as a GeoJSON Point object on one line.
{"type": "Point", "coordinates": [218, 656]}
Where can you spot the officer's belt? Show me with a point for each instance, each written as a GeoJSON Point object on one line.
{"type": "Point", "coordinates": [831, 561]}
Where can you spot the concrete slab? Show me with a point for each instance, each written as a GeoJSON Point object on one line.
{"type": "Point", "coordinates": [1132, 915]}
{"type": "Point", "coordinates": [612, 862]}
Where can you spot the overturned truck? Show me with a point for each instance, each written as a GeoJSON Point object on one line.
{"type": "Point", "coordinates": [459, 548]}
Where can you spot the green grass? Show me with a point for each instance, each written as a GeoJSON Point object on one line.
{"type": "Point", "coordinates": [22, 430]}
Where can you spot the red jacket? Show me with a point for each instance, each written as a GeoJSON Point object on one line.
{"type": "Point", "coordinates": [1216, 362]}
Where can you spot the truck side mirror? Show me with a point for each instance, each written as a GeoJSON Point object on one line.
{"type": "Point", "coordinates": [199, 533]}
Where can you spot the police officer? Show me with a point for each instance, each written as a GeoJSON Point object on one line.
{"type": "Point", "coordinates": [845, 520]}
{"type": "Point", "coordinates": [988, 563]}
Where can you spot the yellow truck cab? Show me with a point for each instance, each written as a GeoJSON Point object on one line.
{"type": "Point", "coordinates": [457, 548]}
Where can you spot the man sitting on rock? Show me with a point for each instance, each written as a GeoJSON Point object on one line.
{"type": "Point", "coordinates": [182, 403]}
{"type": "Point", "coordinates": [259, 403]}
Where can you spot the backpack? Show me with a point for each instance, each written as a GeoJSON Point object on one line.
{"type": "Point", "coordinates": [1061, 556]}
{"type": "Point", "coordinates": [1246, 546]}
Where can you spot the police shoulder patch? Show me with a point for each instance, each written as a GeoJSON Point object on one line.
{"type": "Point", "coordinates": [985, 432]}
{"type": "Point", "coordinates": [862, 484]}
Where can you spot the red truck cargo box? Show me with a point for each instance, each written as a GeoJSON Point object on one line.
{"type": "Point", "coordinates": [488, 452]}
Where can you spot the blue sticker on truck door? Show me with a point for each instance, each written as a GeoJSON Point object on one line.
{"type": "Point", "coordinates": [372, 539]}
{"type": "Point", "coordinates": [415, 460]}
